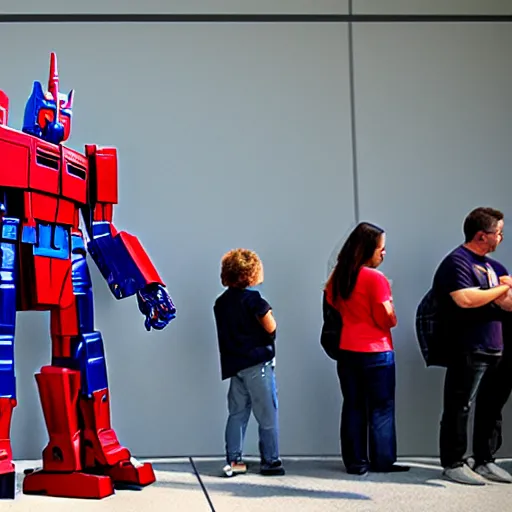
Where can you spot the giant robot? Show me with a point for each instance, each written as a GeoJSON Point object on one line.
{"type": "Point", "coordinates": [45, 188]}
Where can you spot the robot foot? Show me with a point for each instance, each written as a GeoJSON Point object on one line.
{"type": "Point", "coordinates": [131, 473]}
{"type": "Point", "coordinates": [67, 485]}
{"type": "Point", "coordinates": [7, 486]}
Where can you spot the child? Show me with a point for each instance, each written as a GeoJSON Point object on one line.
{"type": "Point", "coordinates": [246, 332]}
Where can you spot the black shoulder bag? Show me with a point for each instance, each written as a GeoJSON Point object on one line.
{"type": "Point", "coordinates": [331, 330]}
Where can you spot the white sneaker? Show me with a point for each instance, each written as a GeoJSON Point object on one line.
{"type": "Point", "coordinates": [464, 475]}
{"type": "Point", "coordinates": [235, 468]}
{"type": "Point", "coordinates": [494, 473]}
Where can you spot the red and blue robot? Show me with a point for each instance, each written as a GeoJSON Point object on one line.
{"type": "Point", "coordinates": [45, 188]}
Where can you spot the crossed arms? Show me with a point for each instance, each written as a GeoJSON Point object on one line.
{"type": "Point", "coordinates": [476, 297]}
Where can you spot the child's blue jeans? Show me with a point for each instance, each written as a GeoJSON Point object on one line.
{"type": "Point", "coordinates": [253, 389]}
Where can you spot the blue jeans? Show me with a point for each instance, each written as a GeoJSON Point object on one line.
{"type": "Point", "coordinates": [368, 434]}
{"type": "Point", "coordinates": [253, 389]}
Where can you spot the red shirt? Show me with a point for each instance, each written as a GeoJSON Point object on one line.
{"type": "Point", "coordinates": [364, 329]}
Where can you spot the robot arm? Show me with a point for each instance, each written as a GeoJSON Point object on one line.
{"type": "Point", "coordinates": [119, 256]}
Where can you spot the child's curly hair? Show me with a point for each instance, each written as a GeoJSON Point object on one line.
{"type": "Point", "coordinates": [240, 268]}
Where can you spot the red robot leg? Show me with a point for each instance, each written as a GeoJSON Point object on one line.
{"type": "Point", "coordinates": [61, 474]}
{"type": "Point", "coordinates": [7, 473]}
{"type": "Point", "coordinates": [59, 386]}
{"type": "Point", "coordinates": [84, 458]}
{"type": "Point", "coordinates": [103, 452]}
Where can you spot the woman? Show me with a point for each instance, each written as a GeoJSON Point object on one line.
{"type": "Point", "coordinates": [361, 294]}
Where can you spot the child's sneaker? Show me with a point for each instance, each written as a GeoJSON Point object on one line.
{"type": "Point", "coordinates": [273, 469]}
{"type": "Point", "coordinates": [235, 468]}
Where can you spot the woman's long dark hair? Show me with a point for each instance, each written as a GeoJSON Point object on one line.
{"type": "Point", "coordinates": [356, 251]}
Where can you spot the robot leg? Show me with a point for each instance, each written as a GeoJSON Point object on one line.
{"type": "Point", "coordinates": [61, 473]}
{"type": "Point", "coordinates": [103, 452]}
{"type": "Point", "coordinates": [59, 386]}
{"type": "Point", "coordinates": [8, 282]}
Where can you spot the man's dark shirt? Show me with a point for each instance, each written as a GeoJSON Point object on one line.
{"type": "Point", "coordinates": [243, 342]}
{"type": "Point", "coordinates": [472, 330]}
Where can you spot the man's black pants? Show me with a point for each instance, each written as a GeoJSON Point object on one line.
{"type": "Point", "coordinates": [497, 387]}
{"type": "Point", "coordinates": [470, 378]}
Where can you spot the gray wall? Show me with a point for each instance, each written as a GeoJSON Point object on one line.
{"type": "Point", "coordinates": [244, 139]}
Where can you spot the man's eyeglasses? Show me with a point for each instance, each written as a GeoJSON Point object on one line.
{"type": "Point", "coordinates": [497, 233]}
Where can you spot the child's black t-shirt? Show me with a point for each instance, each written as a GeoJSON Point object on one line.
{"type": "Point", "coordinates": [243, 342]}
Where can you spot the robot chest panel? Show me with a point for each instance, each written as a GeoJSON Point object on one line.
{"type": "Point", "coordinates": [51, 209]}
{"type": "Point", "coordinates": [58, 171]}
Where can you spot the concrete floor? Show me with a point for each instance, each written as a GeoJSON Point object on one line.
{"type": "Point", "coordinates": [311, 484]}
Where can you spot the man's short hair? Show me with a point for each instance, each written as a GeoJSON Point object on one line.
{"type": "Point", "coordinates": [481, 219]}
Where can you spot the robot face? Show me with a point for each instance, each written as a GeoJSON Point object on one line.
{"type": "Point", "coordinates": [48, 115]}
{"type": "Point", "coordinates": [46, 110]}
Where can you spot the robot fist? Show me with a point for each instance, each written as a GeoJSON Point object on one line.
{"type": "Point", "coordinates": [156, 304]}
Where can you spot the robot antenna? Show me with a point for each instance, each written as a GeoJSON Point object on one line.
{"type": "Point", "coordinates": [53, 82]}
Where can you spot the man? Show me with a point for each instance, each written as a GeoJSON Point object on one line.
{"type": "Point", "coordinates": [470, 287]}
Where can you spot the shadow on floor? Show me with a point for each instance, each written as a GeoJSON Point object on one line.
{"type": "Point", "coordinates": [173, 467]}
{"type": "Point", "coordinates": [237, 487]}
{"type": "Point", "coordinates": [332, 469]}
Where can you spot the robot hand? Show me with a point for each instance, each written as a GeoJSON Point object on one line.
{"type": "Point", "coordinates": [156, 304]}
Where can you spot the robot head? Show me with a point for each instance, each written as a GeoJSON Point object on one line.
{"type": "Point", "coordinates": [48, 115]}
